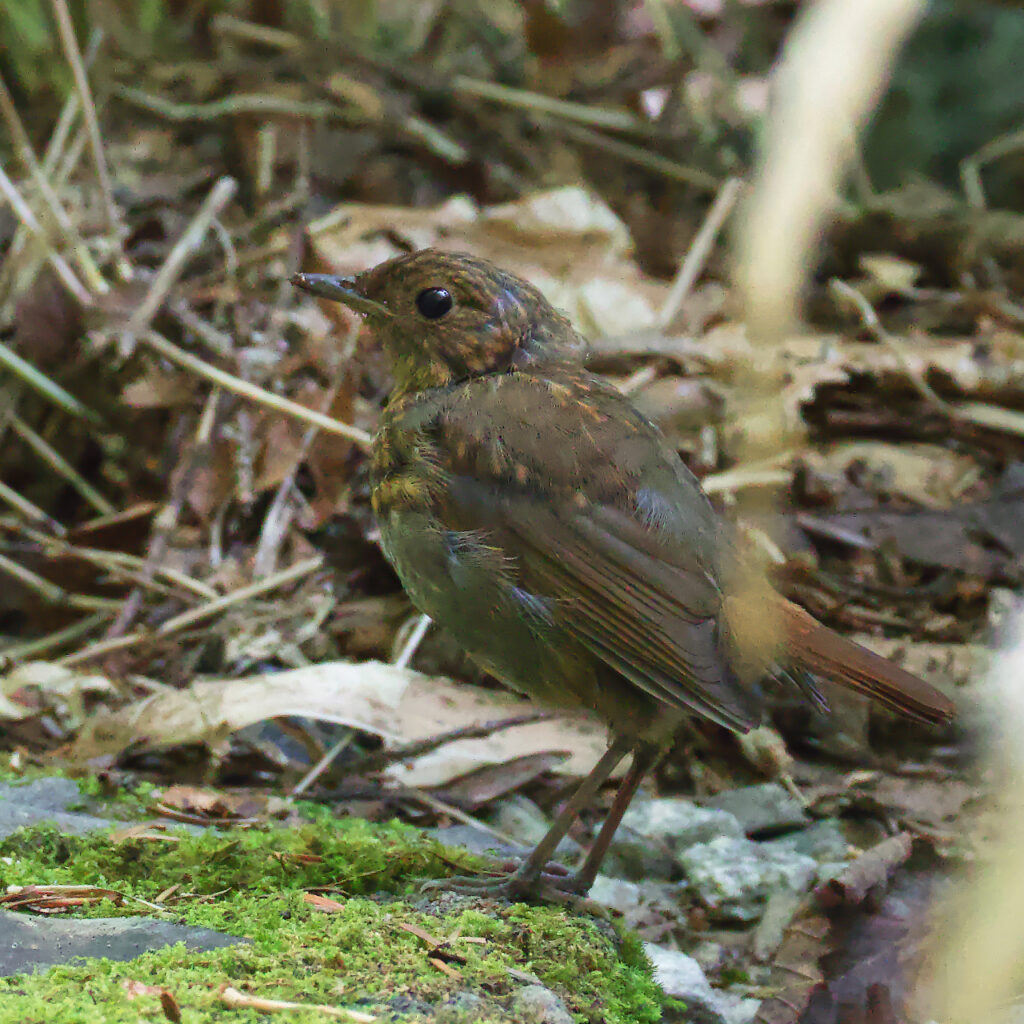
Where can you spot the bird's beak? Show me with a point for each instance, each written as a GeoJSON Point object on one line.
{"type": "Point", "coordinates": [340, 289]}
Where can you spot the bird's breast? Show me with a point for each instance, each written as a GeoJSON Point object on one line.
{"type": "Point", "coordinates": [405, 466]}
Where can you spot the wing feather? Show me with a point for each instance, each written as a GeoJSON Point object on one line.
{"type": "Point", "coordinates": [657, 629]}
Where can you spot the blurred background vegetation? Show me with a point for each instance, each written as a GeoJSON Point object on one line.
{"type": "Point", "coordinates": [957, 87]}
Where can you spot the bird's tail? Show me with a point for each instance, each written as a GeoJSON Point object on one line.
{"type": "Point", "coordinates": [820, 650]}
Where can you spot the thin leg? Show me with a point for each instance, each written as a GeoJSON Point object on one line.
{"type": "Point", "coordinates": [530, 870]}
{"type": "Point", "coordinates": [527, 878]}
{"type": "Point", "coordinates": [644, 760]}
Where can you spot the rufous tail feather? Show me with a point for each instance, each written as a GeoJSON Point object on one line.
{"type": "Point", "coordinates": [825, 653]}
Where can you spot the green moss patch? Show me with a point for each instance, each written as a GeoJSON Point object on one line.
{"type": "Point", "coordinates": [365, 956]}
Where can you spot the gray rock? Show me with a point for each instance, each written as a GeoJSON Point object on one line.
{"type": "Point", "coordinates": [680, 823]}
{"type": "Point", "coordinates": [29, 944]}
{"type": "Point", "coordinates": [466, 1008]}
{"type": "Point", "coordinates": [467, 1002]}
{"type": "Point", "coordinates": [615, 893]}
{"type": "Point", "coordinates": [779, 911]}
{"type": "Point", "coordinates": [476, 840]}
{"type": "Point", "coordinates": [30, 803]}
{"type": "Point", "coordinates": [710, 955]}
{"type": "Point", "coordinates": [739, 1009]}
{"type": "Point", "coordinates": [536, 1004]}
{"type": "Point", "coordinates": [404, 1006]}
{"type": "Point", "coordinates": [23, 804]}
{"type": "Point", "coordinates": [521, 819]}
{"type": "Point", "coordinates": [640, 858]}
{"type": "Point", "coordinates": [830, 869]}
{"type": "Point", "coordinates": [824, 841]}
{"type": "Point", "coordinates": [734, 877]}
{"type": "Point", "coordinates": [681, 978]}
{"type": "Point", "coordinates": [762, 810]}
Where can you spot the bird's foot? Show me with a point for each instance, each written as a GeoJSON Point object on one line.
{"type": "Point", "coordinates": [520, 886]}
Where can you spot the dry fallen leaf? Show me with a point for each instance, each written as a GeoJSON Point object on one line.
{"type": "Point", "coordinates": [397, 704]}
{"type": "Point", "coordinates": [209, 806]}
{"type": "Point", "coordinates": [55, 899]}
{"type": "Point", "coordinates": [51, 686]}
{"type": "Point", "coordinates": [795, 970]}
{"type": "Point", "coordinates": [324, 903]}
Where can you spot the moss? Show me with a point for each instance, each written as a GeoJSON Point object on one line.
{"type": "Point", "coordinates": [733, 976]}
{"type": "Point", "coordinates": [251, 883]}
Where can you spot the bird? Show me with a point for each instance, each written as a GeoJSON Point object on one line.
{"type": "Point", "coordinates": [534, 513]}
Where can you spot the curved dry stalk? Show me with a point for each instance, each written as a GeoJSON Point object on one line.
{"type": "Point", "coordinates": [28, 221]}
{"type": "Point", "coordinates": [253, 392]}
{"type": "Point", "coordinates": [66, 30]}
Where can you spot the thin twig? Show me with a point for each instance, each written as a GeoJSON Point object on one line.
{"type": "Point", "coordinates": [231, 106]}
{"type": "Point", "coordinates": [61, 466]}
{"type": "Point", "coordinates": [66, 121]}
{"type": "Point", "coordinates": [262, 105]}
{"type": "Point", "coordinates": [30, 511]}
{"type": "Point", "coordinates": [66, 29]}
{"type": "Point", "coordinates": [33, 227]}
{"type": "Point", "coordinates": [870, 320]}
{"type": "Point", "coordinates": [322, 765]}
{"type": "Point", "coordinates": [122, 563]}
{"type": "Point", "coordinates": [277, 518]}
{"type": "Point", "coordinates": [179, 622]}
{"type": "Point", "coordinates": [415, 638]}
{"type": "Point", "coordinates": [44, 644]}
{"type": "Point", "coordinates": [51, 593]}
{"type": "Point", "coordinates": [233, 997]}
{"type": "Point", "coordinates": [250, 32]}
{"type": "Point", "coordinates": [65, 229]}
{"type": "Point", "coordinates": [402, 661]}
{"type": "Point", "coordinates": [166, 520]}
{"type": "Point", "coordinates": [54, 151]}
{"type": "Point", "coordinates": [421, 130]}
{"type": "Point", "coordinates": [170, 270]}
{"type": "Point", "coordinates": [71, 158]}
{"type": "Point", "coordinates": [381, 759]}
{"type": "Point", "coordinates": [581, 113]}
{"type": "Point", "coordinates": [252, 391]}
{"type": "Point", "coordinates": [49, 389]}
{"type": "Point", "coordinates": [971, 166]}
{"type": "Point", "coordinates": [436, 804]}
{"type": "Point", "coordinates": [242, 594]}
{"type": "Point", "coordinates": [219, 341]}
{"type": "Point", "coordinates": [655, 162]}
{"type": "Point", "coordinates": [700, 248]}
{"type": "Point", "coordinates": [106, 646]}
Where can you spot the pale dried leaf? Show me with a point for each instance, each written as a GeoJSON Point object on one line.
{"type": "Point", "coordinates": [924, 473]}
{"type": "Point", "coordinates": [562, 211]}
{"type": "Point", "coordinates": [397, 704]}
{"type": "Point", "coordinates": [53, 685]}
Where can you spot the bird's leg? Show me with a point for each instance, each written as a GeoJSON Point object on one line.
{"type": "Point", "coordinates": [644, 759]}
{"type": "Point", "coordinates": [527, 879]}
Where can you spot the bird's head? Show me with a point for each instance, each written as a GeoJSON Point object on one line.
{"type": "Point", "coordinates": [446, 317]}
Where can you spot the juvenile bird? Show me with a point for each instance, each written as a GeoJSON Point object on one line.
{"type": "Point", "coordinates": [535, 514]}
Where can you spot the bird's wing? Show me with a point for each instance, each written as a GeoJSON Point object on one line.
{"type": "Point", "coordinates": [598, 517]}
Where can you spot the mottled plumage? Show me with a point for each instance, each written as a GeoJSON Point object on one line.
{"type": "Point", "coordinates": [533, 512]}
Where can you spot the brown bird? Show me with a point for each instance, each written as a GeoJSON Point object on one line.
{"type": "Point", "coordinates": [535, 514]}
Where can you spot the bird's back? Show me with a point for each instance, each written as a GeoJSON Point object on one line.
{"type": "Point", "coordinates": [546, 524]}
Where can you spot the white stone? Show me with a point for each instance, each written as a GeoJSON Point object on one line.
{"type": "Point", "coordinates": [681, 978]}
{"type": "Point", "coordinates": [734, 877]}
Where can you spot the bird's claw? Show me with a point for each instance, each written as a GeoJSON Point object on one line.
{"type": "Point", "coordinates": [561, 889]}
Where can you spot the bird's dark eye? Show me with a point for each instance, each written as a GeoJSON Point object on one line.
{"type": "Point", "coordinates": [433, 303]}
